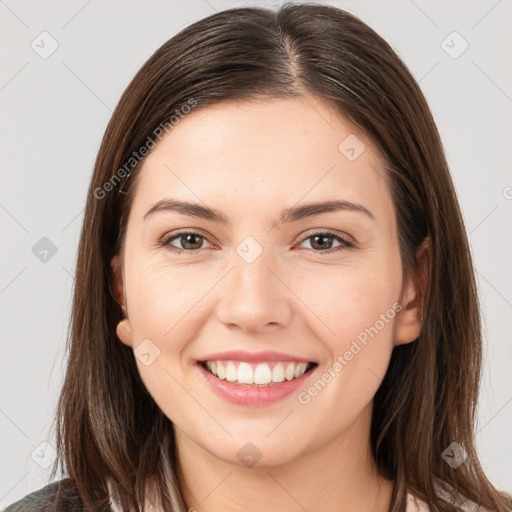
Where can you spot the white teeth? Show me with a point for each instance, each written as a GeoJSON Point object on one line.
{"type": "Point", "coordinates": [289, 373]}
{"type": "Point", "coordinates": [300, 369]}
{"type": "Point", "coordinates": [245, 374]}
{"type": "Point", "coordinates": [278, 373]}
{"type": "Point", "coordinates": [262, 374]}
{"type": "Point", "coordinates": [221, 371]}
{"type": "Point", "coordinates": [231, 372]}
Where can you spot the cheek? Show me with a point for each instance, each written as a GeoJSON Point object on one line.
{"type": "Point", "coordinates": [358, 307]}
{"type": "Point", "coordinates": [163, 300]}
{"type": "Point", "coordinates": [347, 299]}
{"type": "Point", "coordinates": [164, 308]}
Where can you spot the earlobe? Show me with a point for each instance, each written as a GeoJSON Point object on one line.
{"type": "Point", "coordinates": [411, 317]}
{"type": "Point", "coordinates": [124, 332]}
{"type": "Point", "coordinates": [408, 326]}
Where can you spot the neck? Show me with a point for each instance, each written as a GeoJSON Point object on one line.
{"type": "Point", "coordinates": [339, 476]}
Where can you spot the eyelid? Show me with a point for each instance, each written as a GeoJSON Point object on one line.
{"type": "Point", "coordinates": [346, 239]}
{"type": "Point", "coordinates": [165, 240]}
{"type": "Point", "coordinates": [327, 231]}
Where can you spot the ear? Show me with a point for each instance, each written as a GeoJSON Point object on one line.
{"type": "Point", "coordinates": [124, 329]}
{"type": "Point", "coordinates": [117, 279]}
{"type": "Point", "coordinates": [410, 319]}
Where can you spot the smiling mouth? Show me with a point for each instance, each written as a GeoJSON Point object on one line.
{"type": "Point", "coordinates": [257, 374]}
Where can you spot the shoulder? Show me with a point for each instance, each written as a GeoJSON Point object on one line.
{"type": "Point", "coordinates": [43, 499]}
{"type": "Point", "coordinates": [446, 492]}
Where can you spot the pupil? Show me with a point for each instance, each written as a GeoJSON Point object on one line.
{"type": "Point", "coordinates": [187, 240]}
{"type": "Point", "coordinates": [321, 237]}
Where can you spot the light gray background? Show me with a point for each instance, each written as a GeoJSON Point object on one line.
{"type": "Point", "coordinates": [54, 112]}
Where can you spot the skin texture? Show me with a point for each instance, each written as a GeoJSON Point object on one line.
{"type": "Point", "coordinates": [250, 160]}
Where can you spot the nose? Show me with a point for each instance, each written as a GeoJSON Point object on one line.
{"type": "Point", "coordinates": [254, 297]}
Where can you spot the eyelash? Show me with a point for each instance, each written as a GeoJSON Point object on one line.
{"type": "Point", "coordinates": [346, 243]}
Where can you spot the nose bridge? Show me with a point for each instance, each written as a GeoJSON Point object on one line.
{"type": "Point", "coordinates": [253, 278]}
{"type": "Point", "coordinates": [253, 296]}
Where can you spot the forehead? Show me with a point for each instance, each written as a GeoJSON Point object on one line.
{"type": "Point", "coordinates": [261, 153]}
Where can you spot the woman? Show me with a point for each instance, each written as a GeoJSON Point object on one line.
{"type": "Point", "coordinates": [318, 346]}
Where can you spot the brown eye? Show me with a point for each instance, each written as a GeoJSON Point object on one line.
{"type": "Point", "coordinates": [323, 241]}
{"type": "Point", "coordinates": [188, 240]}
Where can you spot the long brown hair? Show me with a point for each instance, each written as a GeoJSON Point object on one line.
{"type": "Point", "coordinates": [108, 425]}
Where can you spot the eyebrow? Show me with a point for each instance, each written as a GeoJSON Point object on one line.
{"type": "Point", "coordinates": [292, 214]}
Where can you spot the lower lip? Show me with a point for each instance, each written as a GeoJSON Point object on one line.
{"type": "Point", "coordinates": [241, 394]}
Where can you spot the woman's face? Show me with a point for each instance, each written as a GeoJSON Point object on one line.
{"type": "Point", "coordinates": [265, 277]}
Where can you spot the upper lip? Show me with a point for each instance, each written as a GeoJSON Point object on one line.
{"type": "Point", "coordinates": [254, 357]}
